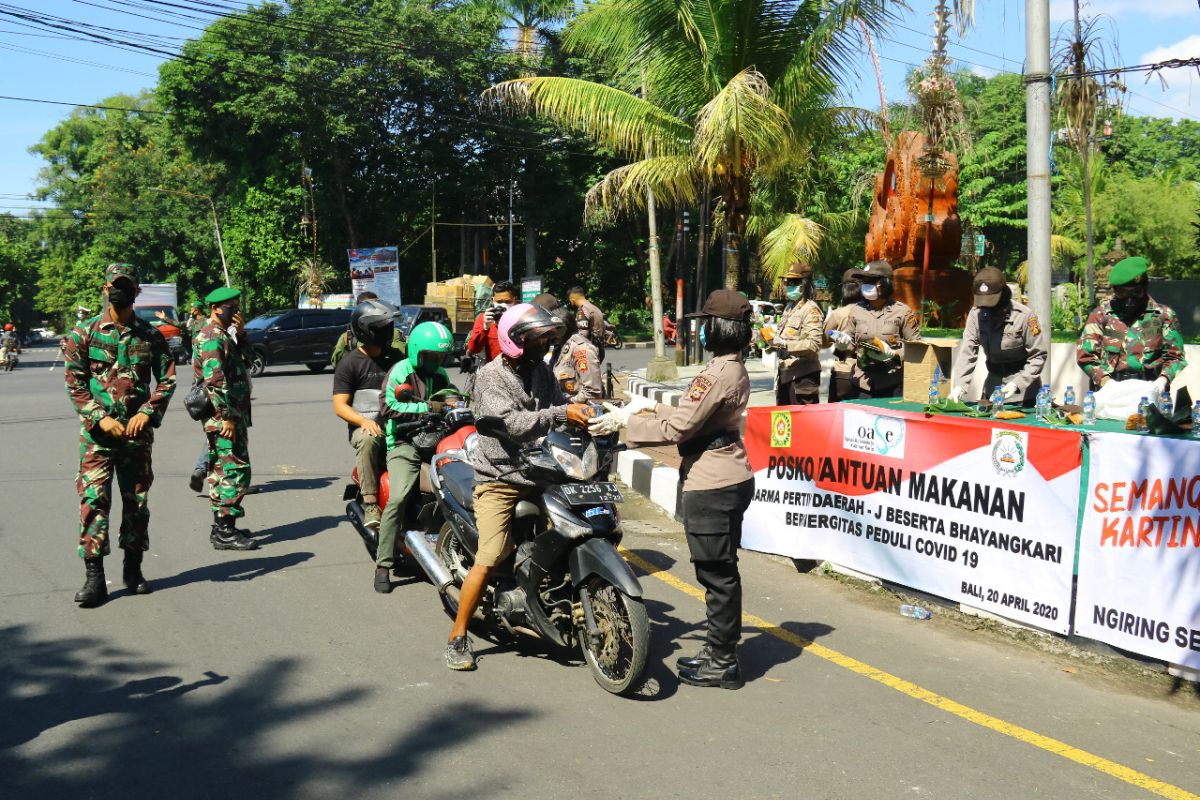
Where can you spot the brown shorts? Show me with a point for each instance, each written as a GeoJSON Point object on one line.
{"type": "Point", "coordinates": [495, 503]}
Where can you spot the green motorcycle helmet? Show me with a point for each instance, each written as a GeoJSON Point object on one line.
{"type": "Point", "coordinates": [433, 338]}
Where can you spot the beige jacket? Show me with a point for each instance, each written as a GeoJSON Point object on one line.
{"type": "Point", "coordinates": [800, 337]}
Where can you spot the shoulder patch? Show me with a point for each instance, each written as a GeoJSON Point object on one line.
{"type": "Point", "coordinates": [699, 387]}
{"type": "Point", "coordinates": [1034, 326]}
{"type": "Point", "coordinates": [581, 362]}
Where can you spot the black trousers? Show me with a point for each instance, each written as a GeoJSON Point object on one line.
{"type": "Point", "coordinates": [712, 520]}
{"type": "Point", "coordinates": [803, 391]}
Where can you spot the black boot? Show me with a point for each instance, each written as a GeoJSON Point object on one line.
{"type": "Point", "coordinates": [132, 573]}
{"type": "Point", "coordinates": [720, 670]}
{"type": "Point", "coordinates": [217, 522]}
{"type": "Point", "coordinates": [225, 536]}
{"type": "Point", "coordinates": [383, 580]}
{"type": "Point", "coordinates": [694, 662]}
{"type": "Point", "coordinates": [196, 481]}
{"type": "Point", "coordinates": [95, 590]}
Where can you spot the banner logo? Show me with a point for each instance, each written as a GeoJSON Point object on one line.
{"type": "Point", "coordinates": [872, 433]}
{"type": "Point", "coordinates": [781, 429]}
{"type": "Point", "coordinates": [1008, 452]}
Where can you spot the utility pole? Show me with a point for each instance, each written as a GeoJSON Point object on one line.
{"type": "Point", "coordinates": [1037, 161]}
{"type": "Point", "coordinates": [510, 226]}
{"type": "Point", "coordinates": [216, 224]}
{"type": "Point", "coordinates": [433, 229]}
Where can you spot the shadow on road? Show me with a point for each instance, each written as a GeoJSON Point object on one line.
{"type": "Point", "coordinates": [108, 725]}
{"type": "Point", "coordinates": [299, 530]}
{"type": "Point", "coordinates": [235, 569]}
{"type": "Point", "coordinates": [296, 484]}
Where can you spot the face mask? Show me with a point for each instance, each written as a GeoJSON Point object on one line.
{"type": "Point", "coordinates": [1128, 306]}
{"type": "Point", "coordinates": [794, 292]}
{"type": "Point", "coordinates": [225, 314]}
{"type": "Point", "coordinates": [870, 291]}
{"type": "Point", "coordinates": [704, 336]}
{"type": "Point", "coordinates": [120, 297]}
{"type": "Point", "coordinates": [986, 313]}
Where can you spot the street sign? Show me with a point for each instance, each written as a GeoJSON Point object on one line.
{"type": "Point", "coordinates": [530, 288]}
{"type": "Point", "coordinates": [980, 242]}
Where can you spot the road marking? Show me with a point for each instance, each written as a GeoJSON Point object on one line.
{"type": "Point", "coordinates": [1050, 745]}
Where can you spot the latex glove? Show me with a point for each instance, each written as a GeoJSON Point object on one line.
{"type": "Point", "coordinates": [957, 393]}
{"type": "Point", "coordinates": [841, 340]}
{"type": "Point", "coordinates": [613, 421]}
{"type": "Point", "coordinates": [1162, 384]}
{"type": "Point", "coordinates": [1009, 389]}
{"type": "Point", "coordinates": [636, 403]}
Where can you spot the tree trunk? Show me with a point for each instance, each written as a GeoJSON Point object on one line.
{"type": "Point", "coordinates": [531, 234]}
{"type": "Point", "coordinates": [340, 189]}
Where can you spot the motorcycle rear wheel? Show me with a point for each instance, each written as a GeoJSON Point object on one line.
{"type": "Point", "coordinates": [619, 660]}
{"type": "Point", "coordinates": [451, 553]}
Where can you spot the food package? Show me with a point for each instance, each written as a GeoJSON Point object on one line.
{"type": "Point", "coordinates": [1119, 399]}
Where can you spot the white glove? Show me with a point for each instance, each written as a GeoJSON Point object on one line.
{"type": "Point", "coordinates": [1009, 389]}
{"type": "Point", "coordinates": [637, 403]}
{"type": "Point", "coordinates": [841, 339]}
{"type": "Point", "coordinates": [957, 393]}
{"type": "Point", "coordinates": [1162, 384]}
{"type": "Point", "coordinates": [613, 421]}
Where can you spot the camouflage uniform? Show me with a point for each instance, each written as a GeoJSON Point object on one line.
{"type": "Point", "coordinates": [1150, 347]}
{"type": "Point", "coordinates": [108, 370]}
{"type": "Point", "coordinates": [223, 366]}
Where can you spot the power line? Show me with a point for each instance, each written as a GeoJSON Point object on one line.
{"type": "Point", "coordinates": [83, 105]}
{"type": "Point", "coordinates": [61, 57]}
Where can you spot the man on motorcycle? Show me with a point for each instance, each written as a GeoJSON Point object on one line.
{"type": "Point", "coordinates": [410, 385]}
{"type": "Point", "coordinates": [521, 389]}
{"type": "Point", "coordinates": [8, 340]}
{"type": "Point", "coordinates": [357, 383]}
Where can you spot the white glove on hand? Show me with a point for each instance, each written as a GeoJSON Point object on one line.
{"type": "Point", "coordinates": [1009, 389]}
{"type": "Point", "coordinates": [1162, 384]}
{"type": "Point", "coordinates": [958, 393]}
{"type": "Point", "coordinates": [636, 403]}
{"type": "Point", "coordinates": [841, 339]}
{"type": "Point", "coordinates": [613, 421]}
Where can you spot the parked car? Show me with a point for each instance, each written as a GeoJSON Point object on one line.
{"type": "Point", "coordinates": [296, 336]}
{"type": "Point", "coordinates": [169, 327]}
{"type": "Point", "coordinates": [410, 316]}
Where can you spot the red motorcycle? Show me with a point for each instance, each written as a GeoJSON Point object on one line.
{"type": "Point", "coordinates": [445, 435]}
{"type": "Point", "coordinates": [668, 329]}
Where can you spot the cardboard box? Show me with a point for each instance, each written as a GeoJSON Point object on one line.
{"type": "Point", "coordinates": [921, 359]}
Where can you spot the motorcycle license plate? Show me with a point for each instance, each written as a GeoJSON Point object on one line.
{"type": "Point", "coordinates": [586, 494]}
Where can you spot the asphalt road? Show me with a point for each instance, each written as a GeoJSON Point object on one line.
{"type": "Point", "coordinates": [281, 674]}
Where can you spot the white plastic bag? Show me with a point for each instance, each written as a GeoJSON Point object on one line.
{"type": "Point", "coordinates": [770, 360]}
{"type": "Point", "coordinates": [1119, 399]}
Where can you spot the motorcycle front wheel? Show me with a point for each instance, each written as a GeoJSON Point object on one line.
{"type": "Point", "coordinates": [618, 659]}
{"type": "Point", "coordinates": [615, 341]}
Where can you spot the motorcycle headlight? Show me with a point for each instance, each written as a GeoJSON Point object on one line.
{"type": "Point", "coordinates": [567, 523]}
{"type": "Point", "coordinates": [580, 468]}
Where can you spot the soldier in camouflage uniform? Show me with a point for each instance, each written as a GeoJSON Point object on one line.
{"type": "Point", "coordinates": [221, 362]}
{"type": "Point", "coordinates": [1131, 336]}
{"type": "Point", "coordinates": [195, 324]}
{"type": "Point", "coordinates": [109, 362]}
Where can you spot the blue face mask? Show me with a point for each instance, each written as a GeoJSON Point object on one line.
{"type": "Point", "coordinates": [703, 338]}
{"type": "Point", "coordinates": [794, 292]}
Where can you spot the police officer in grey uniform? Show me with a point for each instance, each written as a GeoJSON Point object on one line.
{"type": "Point", "coordinates": [875, 330]}
{"type": "Point", "coordinates": [1012, 340]}
{"type": "Point", "coordinates": [716, 476]}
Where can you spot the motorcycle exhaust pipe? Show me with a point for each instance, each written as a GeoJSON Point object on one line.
{"type": "Point", "coordinates": [418, 546]}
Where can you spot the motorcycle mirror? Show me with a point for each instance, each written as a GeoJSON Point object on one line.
{"type": "Point", "coordinates": [491, 426]}
{"type": "Point", "coordinates": [404, 393]}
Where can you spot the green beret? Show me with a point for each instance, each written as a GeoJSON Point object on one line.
{"type": "Point", "coordinates": [196, 304]}
{"type": "Point", "coordinates": [1127, 270]}
{"type": "Point", "coordinates": [224, 294]}
{"type": "Point", "coordinates": [114, 271]}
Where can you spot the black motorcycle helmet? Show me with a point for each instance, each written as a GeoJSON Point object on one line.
{"type": "Point", "coordinates": [371, 322]}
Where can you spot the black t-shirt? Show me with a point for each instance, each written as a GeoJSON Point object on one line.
{"type": "Point", "coordinates": [357, 371]}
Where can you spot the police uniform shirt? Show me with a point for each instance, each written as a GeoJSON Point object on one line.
{"type": "Point", "coordinates": [1014, 347]}
{"type": "Point", "coordinates": [894, 323]}
{"type": "Point", "coordinates": [800, 335]}
{"type": "Point", "coordinates": [578, 370]}
{"type": "Point", "coordinates": [715, 401]}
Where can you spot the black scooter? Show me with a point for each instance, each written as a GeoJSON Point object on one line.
{"type": "Point", "coordinates": [566, 582]}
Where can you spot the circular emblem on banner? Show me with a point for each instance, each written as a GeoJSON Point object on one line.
{"type": "Point", "coordinates": [1008, 453]}
{"type": "Point", "coordinates": [781, 429]}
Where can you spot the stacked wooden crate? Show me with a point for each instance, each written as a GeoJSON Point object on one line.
{"type": "Point", "coordinates": [457, 296]}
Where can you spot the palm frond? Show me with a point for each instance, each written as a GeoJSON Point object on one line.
{"type": "Point", "coordinates": [796, 237]}
{"type": "Point", "coordinates": [610, 117]}
{"type": "Point", "coordinates": [740, 123]}
{"type": "Point", "coordinates": [673, 179]}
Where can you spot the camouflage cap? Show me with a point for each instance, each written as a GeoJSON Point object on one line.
{"type": "Point", "coordinates": [222, 295]}
{"type": "Point", "coordinates": [114, 271]}
{"type": "Point", "coordinates": [1128, 270]}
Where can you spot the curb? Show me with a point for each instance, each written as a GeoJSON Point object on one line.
{"type": "Point", "coordinates": [637, 345]}
{"type": "Point", "coordinates": [657, 392]}
{"type": "Point", "coordinates": [659, 484]}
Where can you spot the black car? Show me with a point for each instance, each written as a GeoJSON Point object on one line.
{"type": "Point", "coordinates": [296, 336]}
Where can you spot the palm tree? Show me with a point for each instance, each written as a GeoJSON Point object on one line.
{"type": "Point", "coordinates": [529, 16]}
{"type": "Point", "coordinates": [719, 93]}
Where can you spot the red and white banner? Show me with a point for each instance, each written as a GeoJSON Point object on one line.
{"type": "Point", "coordinates": [970, 510]}
{"type": "Point", "coordinates": [1139, 547]}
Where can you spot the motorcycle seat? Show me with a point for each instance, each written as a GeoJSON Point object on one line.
{"type": "Point", "coordinates": [459, 477]}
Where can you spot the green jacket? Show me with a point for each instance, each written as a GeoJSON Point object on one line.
{"type": "Point", "coordinates": [223, 367]}
{"type": "Point", "coordinates": [394, 411]}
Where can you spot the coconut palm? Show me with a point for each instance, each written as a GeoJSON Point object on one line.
{"type": "Point", "coordinates": [530, 16]}
{"type": "Point", "coordinates": [717, 93]}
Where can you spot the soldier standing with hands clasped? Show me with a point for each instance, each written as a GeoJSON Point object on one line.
{"type": "Point", "coordinates": [109, 361]}
{"type": "Point", "coordinates": [222, 364]}
{"type": "Point", "coordinates": [1013, 342]}
{"type": "Point", "coordinates": [717, 481]}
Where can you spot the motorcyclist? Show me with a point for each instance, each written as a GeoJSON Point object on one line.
{"type": "Point", "coordinates": [520, 388]}
{"type": "Point", "coordinates": [8, 342]}
{"type": "Point", "coordinates": [410, 385]}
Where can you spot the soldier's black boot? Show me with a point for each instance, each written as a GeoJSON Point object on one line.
{"type": "Point", "coordinates": [231, 520]}
{"type": "Point", "coordinates": [694, 662]}
{"type": "Point", "coordinates": [95, 590]}
{"type": "Point", "coordinates": [132, 573]}
{"type": "Point", "coordinates": [721, 670]}
{"type": "Point", "coordinates": [225, 536]}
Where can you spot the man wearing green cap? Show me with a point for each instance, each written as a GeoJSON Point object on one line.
{"type": "Point", "coordinates": [221, 362]}
{"type": "Point", "coordinates": [109, 362]}
{"type": "Point", "coordinates": [1131, 336]}
{"type": "Point", "coordinates": [195, 324]}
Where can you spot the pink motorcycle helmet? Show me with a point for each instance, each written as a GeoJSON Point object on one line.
{"type": "Point", "coordinates": [520, 322]}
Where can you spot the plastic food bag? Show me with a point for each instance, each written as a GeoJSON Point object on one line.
{"type": "Point", "coordinates": [1119, 399]}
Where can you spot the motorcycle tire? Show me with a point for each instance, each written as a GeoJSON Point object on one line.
{"type": "Point", "coordinates": [618, 662]}
{"type": "Point", "coordinates": [614, 341]}
{"type": "Point", "coordinates": [449, 551]}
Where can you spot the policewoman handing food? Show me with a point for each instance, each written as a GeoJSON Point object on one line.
{"type": "Point", "coordinates": [716, 476]}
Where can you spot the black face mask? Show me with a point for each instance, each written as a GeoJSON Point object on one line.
{"type": "Point", "coordinates": [225, 314]}
{"type": "Point", "coordinates": [120, 296]}
{"type": "Point", "coordinates": [1127, 307]}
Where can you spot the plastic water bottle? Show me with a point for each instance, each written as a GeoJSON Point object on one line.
{"type": "Point", "coordinates": [934, 394]}
{"type": "Point", "coordinates": [1089, 408]}
{"type": "Point", "coordinates": [1069, 396]}
{"type": "Point", "coordinates": [1143, 408]}
{"type": "Point", "coordinates": [1043, 402]}
{"type": "Point", "coordinates": [1165, 404]}
{"type": "Point", "coordinates": [1196, 420]}
{"type": "Point", "coordinates": [916, 612]}
{"type": "Point", "coordinates": [997, 400]}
